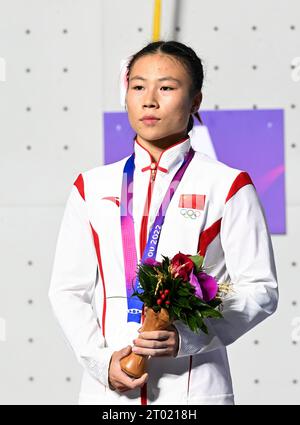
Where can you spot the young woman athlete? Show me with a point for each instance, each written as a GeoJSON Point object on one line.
{"type": "Point", "coordinates": [214, 210]}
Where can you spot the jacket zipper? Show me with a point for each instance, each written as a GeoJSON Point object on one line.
{"type": "Point", "coordinates": [144, 223]}
{"type": "Point", "coordinates": [143, 240]}
{"type": "Point", "coordinates": [153, 170]}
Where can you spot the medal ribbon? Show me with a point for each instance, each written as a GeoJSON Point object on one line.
{"type": "Point", "coordinates": [135, 305]}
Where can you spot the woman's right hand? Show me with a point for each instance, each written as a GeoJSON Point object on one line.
{"type": "Point", "coordinates": [119, 380]}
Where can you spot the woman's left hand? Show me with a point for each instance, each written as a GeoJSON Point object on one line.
{"type": "Point", "coordinates": [157, 343]}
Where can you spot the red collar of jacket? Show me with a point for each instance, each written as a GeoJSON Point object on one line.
{"type": "Point", "coordinates": [168, 159]}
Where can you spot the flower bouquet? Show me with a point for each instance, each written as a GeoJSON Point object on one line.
{"type": "Point", "coordinates": [175, 289]}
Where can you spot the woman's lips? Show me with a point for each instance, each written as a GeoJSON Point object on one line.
{"type": "Point", "coordinates": [150, 121]}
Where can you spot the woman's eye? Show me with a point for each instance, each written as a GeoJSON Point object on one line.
{"type": "Point", "coordinates": [163, 87]}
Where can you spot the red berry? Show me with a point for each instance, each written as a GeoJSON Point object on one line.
{"type": "Point", "coordinates": [159, 301]}
{"type": "Point", "coordinates": [163, 296]}
{"type": "Point", "coordinates": [161, 292]}
{"type": "Point", "coordinates": [167, 291]}
{"type": "Point", "coordinates": [168, 302]}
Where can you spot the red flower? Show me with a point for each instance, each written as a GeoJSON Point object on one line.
{"type": "Point", "coordinates": [181, 266]}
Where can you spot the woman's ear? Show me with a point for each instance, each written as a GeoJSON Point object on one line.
{"type": "Point", "coordinates": [196, 102]}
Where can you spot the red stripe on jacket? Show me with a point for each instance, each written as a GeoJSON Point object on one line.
{"type": "Point", "coordinates": [241, 180]}
{"type": "Point", "coordinates": [98, 251]}
{"type": "Point", "coordinates": [189, 378]}
{"type": "Point", "coordinates": [143, 242]}
{"type": "Point", "coordinates": [209, 234]}
{"type": "Point", "coordinates": [79, 183]}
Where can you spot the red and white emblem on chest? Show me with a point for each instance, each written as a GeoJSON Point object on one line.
{"type": "Point", "coordinates": [193, 201]}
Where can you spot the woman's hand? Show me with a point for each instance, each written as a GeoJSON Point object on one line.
{"type": "Point", "coordinates": [119, 380]}
{"type": "Point", "coordinates": [157, 343]}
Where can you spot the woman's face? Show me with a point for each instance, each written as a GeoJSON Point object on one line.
{"type": "Point", "coordinates": [159, 86]}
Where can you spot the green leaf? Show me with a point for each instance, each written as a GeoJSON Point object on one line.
{"type": "Point", "coordinates": [211, 313]}
{"type": "Point", "coordinates": [183, 302]}
{"type": "Point", "coordinates": [183, 291]}
{"type": "Point", "coordinates": [198, 261]}
{"type": "Point", "coordinates": [204, 328]}
{"type": "Point", "coordinates": [214, 303]}
{"type": "Point", "coordinates": [192, 323]}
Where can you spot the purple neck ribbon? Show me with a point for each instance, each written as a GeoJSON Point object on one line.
{"type": "Point", "coordinates": [134, 304]}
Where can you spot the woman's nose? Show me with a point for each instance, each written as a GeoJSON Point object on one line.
{"type": "Point", "coordinates": [150, 105]}
{"type": "Point", "coordinates": [150, 99]}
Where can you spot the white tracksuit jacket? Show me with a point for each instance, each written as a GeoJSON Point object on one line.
{"type": "Point", "coordinates": [87, 289]}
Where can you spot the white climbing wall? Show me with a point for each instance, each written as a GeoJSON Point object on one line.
{"type": "Point", "coordinates": [59, 71]}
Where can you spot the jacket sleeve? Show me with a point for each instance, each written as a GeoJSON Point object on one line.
{"type": "Point", "coordinates": [249, 260]}
{"type": "Point", "coordinates": [72, 288]}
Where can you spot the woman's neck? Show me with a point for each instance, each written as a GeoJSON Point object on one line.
{"type": "Point", "coordinates": [155, 147]}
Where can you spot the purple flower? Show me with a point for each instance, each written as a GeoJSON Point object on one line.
{"type": "Point", "coordinates": [152, 262]}
{"type": "Point", "coordinates": [194, 281]}
{"type": "Point", "coordinates": [206, 286]}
